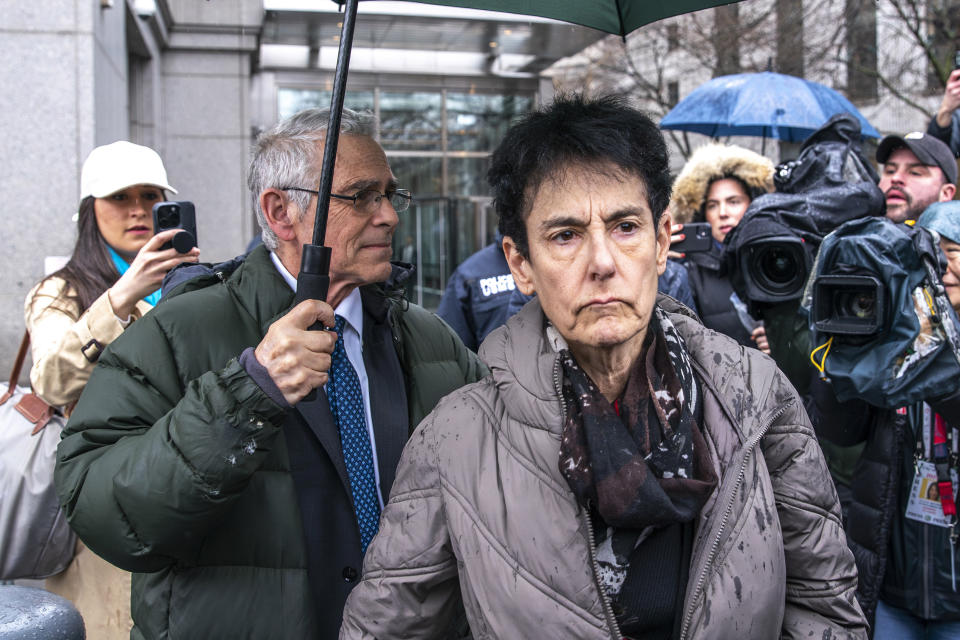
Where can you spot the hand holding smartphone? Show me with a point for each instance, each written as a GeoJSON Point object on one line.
{"type": "Point", "coordinates": [176, 215]}
{"type": "Point", "coordinates": [697, 237]}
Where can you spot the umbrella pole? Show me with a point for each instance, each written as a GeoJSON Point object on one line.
{"type": "Point", "coordinates": [313, 281]}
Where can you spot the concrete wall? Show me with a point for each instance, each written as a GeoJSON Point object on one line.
{"type": "Point", "coordinates": [110, 98]}
{"type": "Point", "coordinates": [48, 125]}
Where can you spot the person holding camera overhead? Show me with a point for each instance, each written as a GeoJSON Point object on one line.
{"type": "Point", "coordinates": [111, 279]}
{"type": "Point", "coordinates": [716, 186]}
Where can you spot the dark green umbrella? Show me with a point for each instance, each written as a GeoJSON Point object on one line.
{"type": "Point", "coordinates": [618, 17]}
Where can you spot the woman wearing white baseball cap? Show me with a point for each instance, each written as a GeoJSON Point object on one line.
{"type": "Point", "coordinates": [112, 279]}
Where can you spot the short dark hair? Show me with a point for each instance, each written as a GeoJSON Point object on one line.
{"type": "Point", "coordinates": [575, 131]}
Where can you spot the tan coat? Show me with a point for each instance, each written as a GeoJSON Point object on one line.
{"type": "Point", "coordinates": [480, 508]}
{"type": "Point", "coordinates": [58, 331]}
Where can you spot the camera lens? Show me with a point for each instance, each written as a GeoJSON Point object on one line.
{"type": "Point", "coordinates": [168, 217]}
{"type": "Point", "coordinates": [778, 269]}
{"type": "Point", "coordinates": [778, 265]}
{"type": "Point", "coordinates": [848, 305]}
{"type": "Point", "coordinates": [855, 303]}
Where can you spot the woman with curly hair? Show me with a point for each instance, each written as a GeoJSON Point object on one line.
{"type": "Point", "coordinates": [716, 186]}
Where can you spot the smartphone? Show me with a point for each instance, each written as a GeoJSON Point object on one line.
{"type": "Point", "coordinates": [176, 215]}
{"type": "Point", "coordinates": [699, 237]}
{"type": "Point", "coordinates": [956, 59]}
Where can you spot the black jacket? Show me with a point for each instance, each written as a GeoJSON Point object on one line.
{"type": "Point", "coordinates": [712, 292]}
{"type": "Point", "coordinates": [901, 561]}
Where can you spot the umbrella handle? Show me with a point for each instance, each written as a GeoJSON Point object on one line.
{"type": "Point", "coordinates": [313, 280]}
{"type": "Point", "coordinates": [312, 284]}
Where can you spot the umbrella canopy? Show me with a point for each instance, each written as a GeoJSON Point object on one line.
{"type": "Point", "coordinates": [618, 17]}
{"type": "Point", "coordinates": [764, 104]}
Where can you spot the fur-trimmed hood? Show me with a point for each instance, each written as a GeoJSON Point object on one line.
{"type": "Point", "coordinates": [713, 162]}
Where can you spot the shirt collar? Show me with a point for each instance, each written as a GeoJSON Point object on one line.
{"type": "Point", "coordinates": [351, 307]}
{"type": "Point", "coordinates": [289, 279]}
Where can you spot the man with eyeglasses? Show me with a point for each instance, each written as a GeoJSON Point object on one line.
{"type": "Point", "coordinates": [237, 461]}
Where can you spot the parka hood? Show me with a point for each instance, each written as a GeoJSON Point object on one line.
{"type": "Point", "coordinates": [713, 162]}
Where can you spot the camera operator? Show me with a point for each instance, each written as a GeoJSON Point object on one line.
{"type": "Point", "coordinates": [916, 171]}
{"type": "Point", "coordinates": [905, 542]}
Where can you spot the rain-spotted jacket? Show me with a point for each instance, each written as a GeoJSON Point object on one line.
{"type": "Point", "coordinates": [480, 511]}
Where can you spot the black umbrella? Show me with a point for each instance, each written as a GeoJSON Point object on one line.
{"type": "Point", "coordinates": [618, 17]}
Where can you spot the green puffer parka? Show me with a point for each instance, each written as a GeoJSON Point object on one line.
{"type": "Point", "coordinates": [174, 464]}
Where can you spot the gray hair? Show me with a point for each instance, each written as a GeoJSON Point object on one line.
{"type": "Point", "coordinates": [288, 155]}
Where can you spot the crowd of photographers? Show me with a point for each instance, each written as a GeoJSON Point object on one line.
{"type": "Point", "coordinates": [854, 275]}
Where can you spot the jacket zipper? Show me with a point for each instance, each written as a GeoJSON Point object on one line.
{"type": "Point", "coordinates": [591, 539]}
{"type": "Point", "coordinates": [751, 446]}
{"type": "Point", "coordinates": [595, 566]}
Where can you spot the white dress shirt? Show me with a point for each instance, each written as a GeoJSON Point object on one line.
{"type": "Point", "coordinates": [351, 309]}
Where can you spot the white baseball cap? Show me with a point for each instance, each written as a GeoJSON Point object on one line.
{"type": "Point", "coordinates": [114, 167]}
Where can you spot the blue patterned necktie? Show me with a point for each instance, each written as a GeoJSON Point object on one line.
{"type": "Point", "coordinates": [346, 404]}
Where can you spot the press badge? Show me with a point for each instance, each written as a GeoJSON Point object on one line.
{"type": "Point", "coordinates": [924, 504]}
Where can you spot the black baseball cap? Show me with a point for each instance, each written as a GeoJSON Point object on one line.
{"type": "Point", "coordinates": [929, 150]}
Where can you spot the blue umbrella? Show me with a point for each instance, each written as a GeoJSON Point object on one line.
{"type": "Point", "coordinates": [764, 104]}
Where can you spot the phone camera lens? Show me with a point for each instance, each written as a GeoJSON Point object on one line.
{"type": "Point", "coordinates": [169, 217]}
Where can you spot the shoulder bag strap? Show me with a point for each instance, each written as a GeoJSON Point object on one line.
{"type": "Point", "coordinates": [17, 366]}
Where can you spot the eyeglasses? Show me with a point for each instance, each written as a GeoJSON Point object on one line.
{"type": "Point", "coordinates": [368, 200]}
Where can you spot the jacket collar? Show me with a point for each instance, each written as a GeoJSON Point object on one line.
{"type": "Point", "coordinates": [525, 365]}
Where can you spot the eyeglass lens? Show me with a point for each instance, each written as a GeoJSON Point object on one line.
{"type": "Point", "coordinates": [369, 199]}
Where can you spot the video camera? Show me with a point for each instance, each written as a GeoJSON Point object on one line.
{"type": "Point", "coordinates": [768, 256]}
{"type": "Point", "coordinates": [883, 326]}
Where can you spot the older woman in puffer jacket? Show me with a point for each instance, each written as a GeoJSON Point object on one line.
{"type": "Point", "coordinates": [624, 472]}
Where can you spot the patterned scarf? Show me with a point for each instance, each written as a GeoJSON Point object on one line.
{"type": "Point", "coordinates": [649, 466]}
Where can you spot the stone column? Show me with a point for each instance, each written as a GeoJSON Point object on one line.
{"type": "Point", "coordinates": [47, 128]}
{"type": "Point", "coordinates": [205, 111]}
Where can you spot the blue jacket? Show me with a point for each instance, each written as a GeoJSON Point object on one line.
{"type": "Point", "coordinates": [475, 301]}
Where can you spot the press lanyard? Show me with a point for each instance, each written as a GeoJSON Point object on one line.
{"type": "Point", "coordinates": [939, 446]}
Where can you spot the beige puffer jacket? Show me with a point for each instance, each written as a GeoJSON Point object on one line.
{"type": "Point", "coordinates": [479, 507]}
